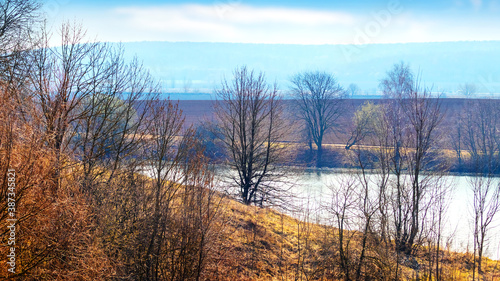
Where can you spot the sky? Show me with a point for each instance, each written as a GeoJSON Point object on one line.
{"type": "Point", "coordinates": [281, 22]}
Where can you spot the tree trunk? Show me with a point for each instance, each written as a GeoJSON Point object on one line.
{"type": "Point", "coordinates": [319, 155]}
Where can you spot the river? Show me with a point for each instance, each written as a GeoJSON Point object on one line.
{"type": "Point", "coordinates": [313, 190]}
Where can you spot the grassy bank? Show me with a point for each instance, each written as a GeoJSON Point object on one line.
{"type": "Point", "coordinates": [264, 244]}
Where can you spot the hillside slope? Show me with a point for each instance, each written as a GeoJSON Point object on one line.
{"type": "Point", "coordinates": [265, 244]}
{"type": "Point", "coordinates": [194, 68]}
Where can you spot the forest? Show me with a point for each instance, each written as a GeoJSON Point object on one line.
{"type": "Point", "coordinates": [103, 178]}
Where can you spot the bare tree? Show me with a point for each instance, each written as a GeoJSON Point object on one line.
{"type": "Point", "coordinates": [397, 199]}
{"type": "Point", "coordinates": [399, 83]}
{"type": "Point", "coordinates": [57, 240]}
{"type": "Point", "coordinates": [180, 230]}
{"type": "Point", "coordinates": [440, 199]}
{"type": "Point", "coordinates": [482, 140]}
{"type": "Point", "coordinates": [424, 114]}
{"type": "Point", "coordinates": [352, 245]}
{"type": "Point", "coordinates": [486, 204]}
{"type": "Point", "coordinates": [89, 98]}
{"type": "Point", "coordinates": [249, 114]}
{"type": "Point", "coordinates": [164, 161]}
{"type": "Point", "coordinates": [85, 111]}
{"type": "Point", "coordinates": [458, 136]}
{"type": "Point", "coordinates": [61, 78]}
{"type": "Point", "coordinates": [111, 124]}
{"type": "Point", "coordinates": [372, 208]}
{"type": "Point", "coordinates": [353, 90]}
{"type": "Point", "coordinates": [414, 116]}
{"type": "Point", "coordinates": [17, 19]}
{"type": "Point", "coordinates": [319, 98]}
{"type": "Point", "coordinates": [468, 89]}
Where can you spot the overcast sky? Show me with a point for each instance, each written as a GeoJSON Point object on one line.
{"type": "Point", "coordinates": [283, 22]}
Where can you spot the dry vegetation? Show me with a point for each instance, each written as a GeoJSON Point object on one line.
{"type": "Point", "coordinates": [64, 235]}
{"type": "Point", "coordinates": [264, 244]}
{"type": "Point", "coordinates": [80, 127]}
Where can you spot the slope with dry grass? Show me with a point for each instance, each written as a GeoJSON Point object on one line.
{"type": "Point", "coordinates": [264, 244]}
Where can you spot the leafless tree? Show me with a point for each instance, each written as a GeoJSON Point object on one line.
{"type": "Point", "coordinates": [319, 98]}
{"type": "Point", "coordinates": [249, 114]}
{"type": "Point", "coordinates": [458, 136]}
{"type": "Point", "coordinates": [166, 226]}
{"type": "Point", "coordinates": [90, 99]}
{"type": "Point", "coordinates": [399, 83]}
{"type": "Point", "coordinates": [342, 208]}
{"type": "Point", "coordinates": [200, 236]}
{"type": "Point", "coordinates": [424, 114]}
{"type": "Point", "coordinates": [440, 199]}
{"type": "Point", "coordinates": [61, 78]}
{"type": "Point", "coordinates": [396, 139]}
{"type": "Point", "coordinates": [353, 90]}
{"type": "Point", "coordinates": [164, 162]}
{"type": "Point", "coordinates": [94, 117]}
{"type": "Point", "coordinates": [413, 115]}
{"type": "Point", "coordinates": [373, 189]}
{"type": "Point", "coordinates": [468, 89]}
{"type": "Point", "coordinates": [17, 20]}
{"type": "Point", "coordinates": [482, 140]}
{"type": "Point", "coordinates": [486, 204]}
{"type": "Point", "coordinates": [355, 215]}
{"type": "Point", "coordinates": [52, 227]}
{"type": "Point", "coordinates": [111, 124]}
{"type": "Point", "coordinates": [481, 137]}
{"type": "Point", "coordinates": [181, 229]}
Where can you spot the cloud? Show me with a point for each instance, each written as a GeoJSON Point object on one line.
{"type": "Point", "coordinates": [231, 21]}
{"type": "Point", "coordinates": [477, 4]}
{"type": "Point", "coordinates": [236, 13]}
{"type": "Point", "coordinates": [235, 22]}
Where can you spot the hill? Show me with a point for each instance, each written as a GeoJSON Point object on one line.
{"type": "Point", "coordinates": [264, 244]}
{"type": "Point", "coordinates": [197, 111]}
{"type": "Point", "coordinates": [192, 70]}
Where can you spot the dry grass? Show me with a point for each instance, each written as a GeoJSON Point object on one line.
{"type": "Point", "coordinates": [264, 244]}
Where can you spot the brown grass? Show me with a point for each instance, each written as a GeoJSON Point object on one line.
{"type": "Point", "coordinates": [264, 244]}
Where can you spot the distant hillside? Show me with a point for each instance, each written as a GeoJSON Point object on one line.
{"type": "Point", "coordinates": [195, 68]}
{"type": "Point", "coordinates": [197, 111]}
